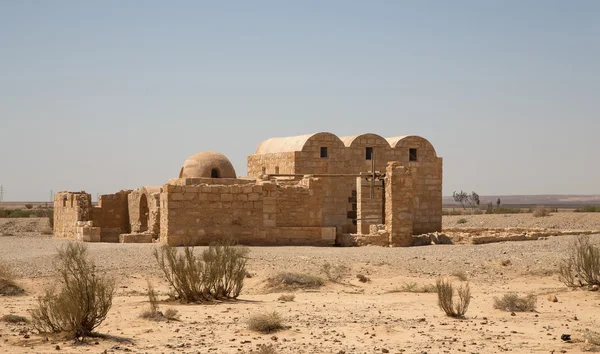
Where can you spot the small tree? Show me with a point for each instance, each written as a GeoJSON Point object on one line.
{"type": "Point", "coordinates": [498, 202]}
{"type": "Point", "coordinates": [28, 206]}
{"type": "Point", "coordinates": [467, 199]}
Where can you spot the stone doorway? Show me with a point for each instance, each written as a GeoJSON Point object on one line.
{"type": "Point", "coordinates": [144, 213]}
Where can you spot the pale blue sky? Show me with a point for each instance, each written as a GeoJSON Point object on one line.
{"type": "Point", "coordinates": [108, 95]}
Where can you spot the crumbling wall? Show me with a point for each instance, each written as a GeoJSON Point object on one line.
{"type": "Point", "coordinates": [369, 210]}
{"type": "Point", "coordinates": [112, 215]}
{"type": "Point", "coordinates": [70, 208]}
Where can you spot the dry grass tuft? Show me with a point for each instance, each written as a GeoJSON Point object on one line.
{"type": "Point", "coordinates": [14, 319]}
{"type": "Point", "coordinates": [218, 274]}
{"type": "Point", "coordinates": [582, 267]}
{"type": "Point", "coordinates": [265, 349]}
{"type": "Point", "coordinates": [292, 281]}
{"type": "Point", "coordinates": [515, 303]}
{"type": "Point", "coordinates": [334, 273]}
{"type": "Point", "coordinates": [414, 288]}
{"type": "Point", "coordinates": [83, 300]}
{"type": "Point", "coordinates": [445, 291]}
{"type": "Point", "coordinates": [363, 278]}
{"type": "Point", "coordinates": [541, 211]}
{"type": "Point", "coordinates": [265, 322]}
{"type": "Point", "coordinates": [287, 298]}
{"type": "Point", "coordinates": [8, 286]}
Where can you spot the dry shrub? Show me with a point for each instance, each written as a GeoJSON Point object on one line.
{"type": "Point", "coordinates": [287, 298]}
{"type": "Point", "coordinates": [582, 267]}
{"type": "Point", "coordinates": [445, 291]}
{"type": "Point", "coordinates": [218, 274]}
{"type": "Point", "coordinates": [265, 349]}
{"type": "Point", "coordinates": [414, 288]}
{"type": "Point", "coordinates": [362, 278]}
{"type": "Point", "coordinates": [8, 286]}
{"type": "Point", "coordinates": [14, 319]}
{"type": "Point", "coordinates": [334, 273]}
{"type": "Point", "coordinates": [268, 322]}
{"type": "Point", "coordinates": [592, 337]}
{"type": "Point", "coordinates": [541, 211]}
{"type": "Point", "coordinates": [152, 313]}
{"type": "Point", "coordinates": [461, 275]}
{"type": "Point", "coordinates": [461, 221]}
{"type": "Point", "coordinates": [83, 300]}
{"type": "Point", "coordinates": [171, 314]}
{"type": "Point", "coordinates": [291, 281]}
{"type": "Point", "coordinates": [515, 303]}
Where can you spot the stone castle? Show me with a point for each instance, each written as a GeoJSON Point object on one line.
{"type": "Point", "coordinates": [316, 189]}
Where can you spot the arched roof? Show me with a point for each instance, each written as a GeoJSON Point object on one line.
{"type": "Point", "coordinates": [397, 141]}
{"type": "Point", "coordinates": [349, 140]}
{"type": "Point", "coordinates": [289, 144]}
{"type": "Point", "coordinates": [202, 164]}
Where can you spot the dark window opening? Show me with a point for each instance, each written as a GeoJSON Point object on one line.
{"type": "Point", "coordinates": [264, 170]}
{"type": "Point", "coordinates": [65, 202]}
{"type": "Point", "coordinates": [323, 152]}
{"type": "Point", "coordinates": [214, 173]}
{"type": "Point", "coordinates": [412, 154]}
{"type": "Point", "coordinates": [276, 169]}
{"type": "Point", "coordinates": [369, 153]}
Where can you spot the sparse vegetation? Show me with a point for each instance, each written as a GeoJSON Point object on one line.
{"type": "Point", "coordinates": [541, 211]}
{"type": "Point", "coordinates": [503, 210]}
{"type": "Point", "coordinates": [8, 286]}
{"type": "Point", "coordinates": [445, 292]}
{"type": "Point", "coordinates": [363, 278]}
{"type": "Point", "coordinates": [291, 281]}
{"type": "Point", "coordinates": [334, 273]}
{"type": "Point", "coordinates": [414, 288]}
{"type": "Point", "coordinates": [582, 267]}
{"type": "Point", "coordinates": [28, 206]}
{"type": "Point", "coordinates": [588, 209]}
{"type": "Point", "coordinates": [470, 199]}
{"type": "Point", "coordinates": [83, 300]}
{"type": "Point", "coordinates": [218, 274]}
{"type": "Point", "coordinates": [461, 221]}
{"type": "Point", "coordinates": [515, 303]}
{"type": "Point", "coordinates": [461, 275]}
{"type": "Point", "coordinates": [14, 319]}
{"type": "Point", "coordinates": [266, 349]}
{"type": "Point", "coordinates": [268, 322]}
{"type": "Point", "coordinates": [287, 297]}
{"type": "Point", "coordinates": [592, 337]}
{"type": "Point", "coordinates": [451, 212]}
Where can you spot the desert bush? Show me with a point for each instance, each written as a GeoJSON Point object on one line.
{"type": "Point", "coordinates": [171, 314]}
{"type": "Point", "coordinates": [14, 319]}
{"type": "Point", "coordinates": [265, 349]}
{"type": "Point", "coordinates": [592, 337]}
{"type": "Point", "coordinates": [445, 292]}
{"type": "Point", "coordinates": [287, 298]}
{"type": "Point", "coordinates": [414, 288]}
{"type": "Point", "coordinates": [588, 209]}
{"type": "Point", "coordinates": [515, 303]}
{"type": "Point", "coordinates": [8, 286]}
{"type": "Point", "coordinates": [28, 206]}
{"type": "Point", "coordinates": [540, 212]}
{"type": "Point", "coordinates": [268, 322]}
{"type": "Point", "coordinates": [582, 267]}
{"type": "Point", "coordinates": [362, 278]}
{"type": "Point", "coordinates": [152, 311]}
{"type": "Point", "coordinates": [461, 221]}
{"type": "Point", "coordinates": [84, 298]}
{"type": "Point", "coordinates": [334, 273]}
{"type": "Point", "coordinates": [461, 275]}
{"type": "Point", "coordinates": [289, 280]}
{"type": "Point", "coordinates": [218, 274]}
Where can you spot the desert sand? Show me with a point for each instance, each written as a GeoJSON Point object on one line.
{"type": "Point", "coordinates": [348, 316]}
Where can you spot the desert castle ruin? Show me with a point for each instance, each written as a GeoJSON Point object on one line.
{"type": "Point", "coordinates": [316, 189]}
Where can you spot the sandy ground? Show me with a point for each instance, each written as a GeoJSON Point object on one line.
{"type": "Point", "coordinates": [345, 317]}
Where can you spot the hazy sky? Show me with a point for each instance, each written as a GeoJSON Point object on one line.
{"type": "Point", "coordinates": [109, 95]}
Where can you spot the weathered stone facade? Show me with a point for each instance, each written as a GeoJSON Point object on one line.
{"type": "Point", "coordinates": [305, 190]}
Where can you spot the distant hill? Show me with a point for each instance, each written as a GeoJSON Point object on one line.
{"type": "Point", "coordinates": [555, 200]}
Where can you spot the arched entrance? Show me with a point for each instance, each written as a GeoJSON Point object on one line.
{"type": "Point", "coordinates": [144, 213]}
{"type": "Point", "coordinates": [215, 173]}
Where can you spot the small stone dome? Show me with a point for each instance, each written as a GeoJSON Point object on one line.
{"type": "Point", "coordinates": [207, 164]}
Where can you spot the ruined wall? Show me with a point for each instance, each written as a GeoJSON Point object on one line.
{"type": "Point", "coordinates": [256, 214]}
{"type": "Point", "coordinates": [69, 209]}
{"type": "Point", "coordinates": [112, 215]}
{"type": "Point", "coordinates": [400, 196]}
{"type": "Point", "coordinates": [144, 210]}
{"type": "Point", "coordinates": [369, 211]}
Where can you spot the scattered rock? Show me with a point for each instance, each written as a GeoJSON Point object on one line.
{"type": "Point", "coordinates": [552, 298]}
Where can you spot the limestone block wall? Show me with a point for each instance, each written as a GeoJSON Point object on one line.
{"type": "Point", "coordinates": [70, 208]}
{"type": "Point", "coordinates": [144, 210]}
{"type": "Point", "coordinates": [133, 206]}
{"type": "Point", "coordinates": [271, 163]}
{"type": "Point", "coordinates": [369, 211]}
{"type": "Point", "coordinates": [112, 215]}
{"type": "Point", "coordinates": [299, 205]}
{"type": "Point", "coordinates": [400, 193]}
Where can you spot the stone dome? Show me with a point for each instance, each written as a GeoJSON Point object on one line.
{"type": "Point", "coordinates": [207, 164]}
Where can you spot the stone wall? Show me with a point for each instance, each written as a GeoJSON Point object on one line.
{"type": "Point", "coordinates": [144, 210]}
{"type": "Point", "coordinates": [112, 215]}
{"type": "Point", "coordinates": [69, 209]}
{"type": "Point", "coordinates": [271, 163]}
{"type": "Point", "coordinates": [369, 210]}
{"type": "Point", "coordinates": [259, 214]}
{"type": "Point", "coordinates": [399, 203]}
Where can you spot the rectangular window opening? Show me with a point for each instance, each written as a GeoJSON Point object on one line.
{"type": "Point", "coordinates": [369, 153]}
{"type": "Point", "coordinates": [412, 154]}
{"type": "Point", "coordinates": [324, 152]}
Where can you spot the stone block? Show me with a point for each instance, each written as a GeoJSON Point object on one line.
{"type": "Point", "coordinates": [135, 238]}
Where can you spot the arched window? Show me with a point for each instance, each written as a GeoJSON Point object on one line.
{"type": "Point", "coordinates": [214, 173]}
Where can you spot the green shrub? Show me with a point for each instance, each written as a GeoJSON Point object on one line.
{"type": "Point", "coordinates": [218, 274]}
{"type": "Point", "coordinates": [84, 298]}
